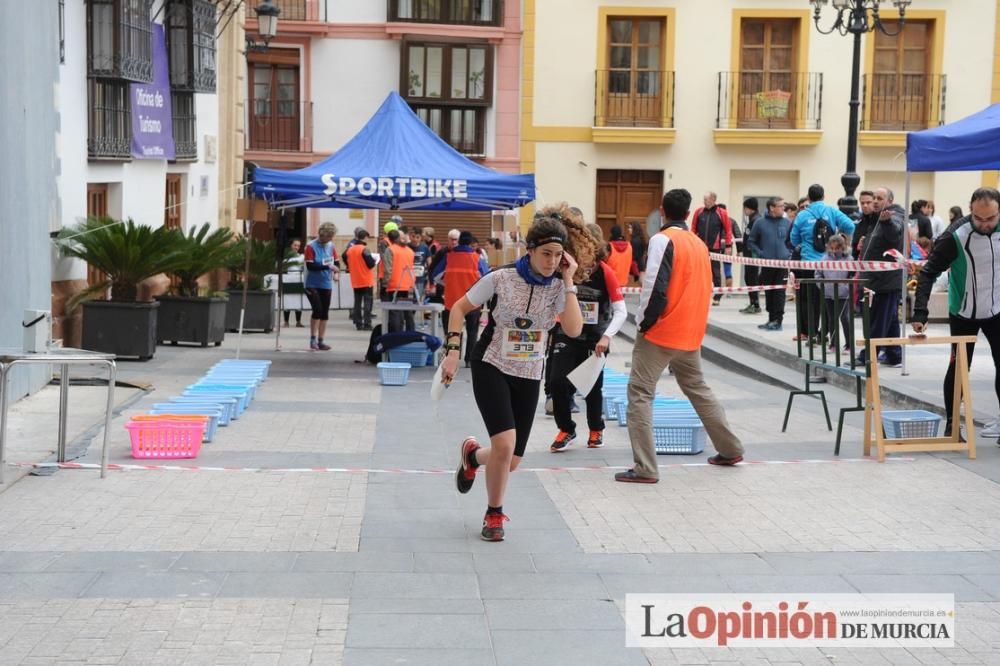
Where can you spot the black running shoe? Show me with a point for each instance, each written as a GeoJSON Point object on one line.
{"type": "Point", "coordinates": [465, 475]}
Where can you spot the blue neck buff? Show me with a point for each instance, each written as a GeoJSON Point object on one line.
{"type": "Point", "coordinates": [528, 275]}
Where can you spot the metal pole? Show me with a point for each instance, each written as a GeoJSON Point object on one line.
{"type": "Point", "coordinates": [63, 400]}
{"type": "Point", "coordinates": [850, 180]}
{"type": "Point", "coordinates": [112, 375]}
{"type": "Point", "coordinates": [247, 227]}
{"type": "Point", "coordinates": [3, 418]}
{"type": "Point", "coordinates": [905, 272]}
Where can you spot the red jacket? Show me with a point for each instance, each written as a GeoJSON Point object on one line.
{"type": "Point", "coordinates": [713, 238]}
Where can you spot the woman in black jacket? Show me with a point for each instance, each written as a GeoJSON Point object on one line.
{"type": "Point", "coordinates": [640, 242]}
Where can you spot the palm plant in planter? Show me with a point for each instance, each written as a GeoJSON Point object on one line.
{"type": "Point", "coordinates": [125, 253]}
{"type": "Point", "coordinates": [249, 262]}
{"type": "Point", "coordinates": [185, 316]}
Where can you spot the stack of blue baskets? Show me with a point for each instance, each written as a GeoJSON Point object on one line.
{"type": "Point", "coordinates": [676, 427]}
{"type": "Point", "coordinates": [396, 371]}
{"type": "Point", "coordinates": [223, 393]}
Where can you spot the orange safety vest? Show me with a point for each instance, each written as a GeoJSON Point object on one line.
{"type": "Point", "coordinates": [620, 262]}
{"type": "Point", "coordinates": [460, 272]}
{"type": "Point", "coordinates": [402, 269]}
{"type": "Point", "coordinates": [362, 277]}
{"type": "Point", "coordinates": [682, 324]}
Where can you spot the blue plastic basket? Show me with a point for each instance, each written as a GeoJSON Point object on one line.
{"type": "Point", "coordinates": [232, 363]}
{"type": "Point", "coordinates": [909, 423]}
{"type": "Point", "coordinates": [414, 353]}
{"type": "Point", "coordinates": [393, 374]}
{"type": "Point", "coordinates": [213, 416]}
{"type": "Point", "coordinates": [207, 395]}
{"type": "Point", "coordinates": [676, 437]}
{"type": "Point", "coordinates": [227, 405]}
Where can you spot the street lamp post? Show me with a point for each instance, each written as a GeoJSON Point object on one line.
{"type": "Point", "coordinates": [855, 17]}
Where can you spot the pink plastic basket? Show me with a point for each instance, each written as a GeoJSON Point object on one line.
{"type": "Point", "coordinates": [165, 439]}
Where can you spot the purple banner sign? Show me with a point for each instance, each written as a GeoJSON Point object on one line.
{"type": "Point", "coordinates": [152, 119]}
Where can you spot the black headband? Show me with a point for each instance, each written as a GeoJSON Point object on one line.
{"type": "Point", "coordinates": [545, 241]}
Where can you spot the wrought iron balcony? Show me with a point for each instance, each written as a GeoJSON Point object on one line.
{"type": "Point", "coordinates": [769, 100]}
{"type": "Point", "coordinates": [455, 12]}
{"type": "Point", "coordinates": [109, 120]}
{"type": "Point", "coordinates": [279, 125]}
{"type": "Point", "coordinates": [631, 98]}
{"type": "Point", "coordinates": [297, 10]}
{"type": "Point", "coordinates": [902, 102]}
{"type": "Point", "coordinates": [185, 126]}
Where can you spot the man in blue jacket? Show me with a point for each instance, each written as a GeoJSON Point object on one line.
{"type": "Point", "coordinates": [811, 243]}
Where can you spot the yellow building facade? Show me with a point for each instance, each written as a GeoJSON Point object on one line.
{"type": "Point", "coordinates": [624, 99]}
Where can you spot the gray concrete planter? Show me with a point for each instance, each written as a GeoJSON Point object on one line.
{"type": "Point", "coordinates": [191, 319]}
{"type": "Point", "coordinates": [119, 328]}
{"type": "Point", "coordinates": [260, 310]}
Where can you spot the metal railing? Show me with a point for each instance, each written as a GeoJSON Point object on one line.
{"type": "Point", "coordinates": [903, 102]}
{"type": "Point", "coordinates": [185, 126]}
{"type": "Point", "coordinates": [457, 12]}
{"type": "Point", "coordinates": [109, 119]}
{"type": "Point", "coordinates": [278, 125]}
{"type": "Point", "coordinates": [769, 100]}
{"type": "Point", "coordinates": [298, 10]}
{"type": "Point", "coordinates": [630, 98]}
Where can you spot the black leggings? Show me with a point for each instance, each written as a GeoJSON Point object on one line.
{"type": "Point", "coordinates": [566, 355]}
{"type": "Point", "coordinates": [319, 299]}
{"type": "Point", "coordinates": [960, 326]}
{"type": "Point", "coordinates": [505, 402]}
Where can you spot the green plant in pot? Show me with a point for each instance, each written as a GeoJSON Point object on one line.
{"type": "Point", "coordinates": [260, 305]}
{"type": "Point", "coordinates": [125, 254]}
{"type": "Point", "coordinates": [185, 315]}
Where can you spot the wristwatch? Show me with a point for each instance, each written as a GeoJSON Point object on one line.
{"type": "Point", "coordinates": [572, 289]}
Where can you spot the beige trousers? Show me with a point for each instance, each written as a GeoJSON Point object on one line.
{"type": "Point", "coordinates": [648, 363]}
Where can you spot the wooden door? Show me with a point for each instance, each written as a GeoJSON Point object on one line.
{"type": "Point", "coordinates": [767, 80]}
{"type": "Point", "coordinates": [174, 203]}
{"type": "Point", "coordinates": [97, 207]}
{"type": "Point", "coordinates": [626, 196]}
{"type": "Point", "coordinates": [899, 81]}
{"type": "Point", "coordinates": [634, 77]}
{"type": "Point", "coordinates": [275, 118]}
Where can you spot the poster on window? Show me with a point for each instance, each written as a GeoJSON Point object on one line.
{"type": "Point", "coordinates": [152, 120]}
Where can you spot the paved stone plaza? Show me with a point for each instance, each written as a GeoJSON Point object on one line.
{"type": "Point", "coordinates": [384, 565]}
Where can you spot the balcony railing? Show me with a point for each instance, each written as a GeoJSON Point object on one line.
{"type": "Point", "coordinates": [185, 125]}
{"type": "Point", "coordinates": [298, 10]}
{"type": "Point", "coordinates": [278, 125]}
{"type": "Point", "coordinates": [629, 98]}
{"type": "Point", "coordinates": [457, 12]}
{"type": "Point", "coordinates": [770, 100]}
{"type": "Point", "coordinates": [903, 102]}
{"type": "Point", "coordinates": [109, 131]}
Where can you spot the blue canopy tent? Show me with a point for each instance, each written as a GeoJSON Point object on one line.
{"type": "Point", "coordinates": [395, 162]}
{"type": "Point", "coordinates": [969, 144]}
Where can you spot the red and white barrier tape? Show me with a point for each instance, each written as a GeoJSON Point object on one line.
{"type": "Point", "coordinates": [898, 256]}
{"type": "Point", "coordinates": [809, 265]}
{"type": "Point", "coordinates": [372, 470]}
{"type": "Point", "coordinates": [719, 290]}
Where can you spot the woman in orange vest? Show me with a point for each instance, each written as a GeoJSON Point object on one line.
{"type": "Point", "coordinates": [620, 255]}
{"type": "Point", "coordinates": [361, 264]}
{"type": "Point", "coordinates": [459, 270]}
{"type": "Point", "coordinates": [400, 281]}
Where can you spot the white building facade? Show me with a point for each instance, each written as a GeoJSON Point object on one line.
{"type": "Point", "coordinates": [108, 48]}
